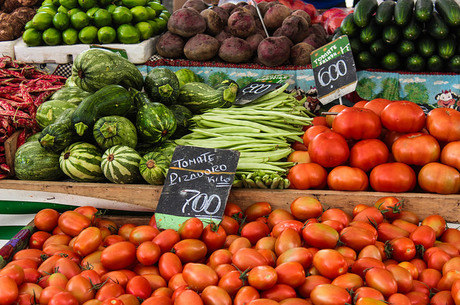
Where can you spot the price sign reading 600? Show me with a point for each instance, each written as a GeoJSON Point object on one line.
{"type": "Point", "coordinates": [326, 75]}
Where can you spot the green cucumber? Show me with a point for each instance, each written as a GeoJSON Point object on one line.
{"type": "Point", "coordinates": [438, 28]}
{"type": "Point", "coordinates": [378, 48]}
{"type": "Point", "coordinates": [384, 13]}
{"type": "Point", "coordinates": [391, 61]}
{"type": "Point", "coordinates": [423, 10]}
{"type": "Point", "coordinates": [348, 26]}
{"type": "Point", "coordinates": [365, 60]}
{"type": "Point", "coordinates": [415, 63]}
{"type": "Point", "coordinates": [109, 100]}
{"type": "Point", "coordinates": [363, 12]}
{"type": "Point", "coordinates": [426, 46]}
{"type": "Point", "coordinates": [435, 63]}
{"type": "Point", "coordinates": [450, 11]}
{"type": "Point", "coordinates": [406, 48]}
{"type": "Point", "coordinates": [412, 31]}
{"type": "Point", "coordinates": [446, 47]}
{"type": "Point", "coordinates": [370, 33]}
{"type": "Point", "coordinates": [391, 34]}
{"type": "Point", "coordinates": [356, 45]}
{"type": "Point", "coordinates": [403, 12]}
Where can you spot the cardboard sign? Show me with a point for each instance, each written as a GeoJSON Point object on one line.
{"type": "Point", "coordinates": [197, 185]}
{"type": "Point", "coordinates": [334, 70]}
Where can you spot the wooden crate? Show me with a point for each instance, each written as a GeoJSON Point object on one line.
{"type": "Point", "coordinates": [147, 196]}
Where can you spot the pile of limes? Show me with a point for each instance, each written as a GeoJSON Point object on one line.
{"type": "Point", "coordinates": [59, 22]}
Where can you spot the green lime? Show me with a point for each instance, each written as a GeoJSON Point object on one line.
{"type": "Point", "coordinates": [47, 2]}
{"type": "Point", "coordinates": [128, 33]}
{"type": "Point", "coordinates": [140, 13]}
{"type": "Point", "coordinates": [63, 9]}
{"type": "Point", "coordinates": [106, 34]}
{"type": "Point", "coordinates": [70, 36]}
{"type": "Point", "coordinates": [156, 6]}
{"type": "Point", "coordinates": [50, 9]}
{"type": "Point", "coordinates": [91, 13]}
{"type": "Point", "coordinates": [41, 21]}
{"type": "Point", "coordinates": [110, 8]}
{"type": "Point", "coordinates": [145, 29]}
{"type": "Point", "coordinates": [133, 3]}
{"type": "Point", "coordinates": [87, 4]}
{"type": "Point", "coordinates": [122, 15]}
{"type": "Point", "coordinates": [51, 37]}
{"type": "Point", "coordinates": [88, 34]}
{"type": "Point", "coordinates": [102, 18]}
{"type": "Point", "coordinates": [29, 25]}
{"type": "Point", "coordinates": [74, 11]}
{"type": "Point", "coordinates": [151, 12]}
{"type": "Point", "coordinates": [79, 20]}
{"type": "Point", "coordinates": [69, 4]}
{"type": "Point", "coordinates": [161, 23]}
{"type": "Point", "coordinates": [61, 21]}
{"type": "Point", "coordinates": [155, 27]}
{"type": "Point", "coordinates": [164, 16]}
{"type": "Point", "coordinates": [32, 37]}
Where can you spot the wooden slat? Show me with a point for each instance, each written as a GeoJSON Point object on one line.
{"type": "Point", "coordinates": [423, 204]}
{"type": "Point", "coordinates": [10, 149]}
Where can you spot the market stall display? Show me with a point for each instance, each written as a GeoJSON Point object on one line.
{"type": "Point", "coordinates": [377, 254]}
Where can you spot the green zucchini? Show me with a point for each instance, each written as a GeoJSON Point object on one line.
{"type": "Point", "coordinates": [423, 10]}
{"type": "Point", "coordinates": [426, 46]}
{"type": "Point", "coordinates": [454, 64]}
{"type": "Point", "coordinates": [60, 134]}
{"type": "Point", "coordinates": [412, 31]}
{"type": "Point", "coordinates": [435, 63]}
{"type": "Point", "coordinates": [384, 13]}
{"type": "Point", "coordinates": [391, 34]}
{"type": "Point", "coordinates": [438, 29]}
{"type": "Point", "coordinates": [348, 26]}
{"type": "Point", "coordinates": [370, 33]}
{"type": "Point", "coordinates": [110, 100]}
{"type": "Point", "coordinates": [199, 97]}
{"type": "Point", "coordinates": [446, 47]}
{"type": "Point", "coordinates": [403, 12]}
{"type": "Point", "coordinates": [415, 63]}
{"type": "Point", "coordinates": [363, 12]}
{"type": "Point", "coordinates": [406, 48]}
{"type": "Point", "coordinates": [450, 11]}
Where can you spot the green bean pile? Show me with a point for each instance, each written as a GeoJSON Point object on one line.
{"type": "Point", "coordinates": [261, 131]}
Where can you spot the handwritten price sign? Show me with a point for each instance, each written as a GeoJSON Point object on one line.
{"type": "Point", "coordinates": [334, 70]}
{"type": "Point", "coordinates": [197, 185]}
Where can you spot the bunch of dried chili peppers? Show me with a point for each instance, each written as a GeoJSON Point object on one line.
{"type": "Point", "coordinates": [22, 89]}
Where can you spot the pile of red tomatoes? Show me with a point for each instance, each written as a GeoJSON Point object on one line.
{"type": "Point", "coordinates": [389, 146]}
{"type": "Point", "coordinates": [259, 256]}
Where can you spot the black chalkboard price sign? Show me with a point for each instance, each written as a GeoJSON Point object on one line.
{"type": "Point", "coordinates": [197, 185]}
{"type": "Point", "coordinates": [334, 70]}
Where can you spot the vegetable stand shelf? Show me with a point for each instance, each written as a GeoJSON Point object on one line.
{"type": "Point", "coordinates": [145, 197]}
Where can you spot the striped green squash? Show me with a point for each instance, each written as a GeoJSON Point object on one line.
{"type": "Point", "coordinates": [49, 111]}
{"type": "Point", "coordinates": [120, 164]}
{"type": "Point", "coordinates": [114, 130]}
{"type": "Point", "coordinates": [82, 162]}
{"type": "Point", "coordinates": [155, 123]}
{"type": "Point", "coordinates": [153, 167]}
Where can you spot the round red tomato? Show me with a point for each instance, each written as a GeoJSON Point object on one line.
{"type": "Point", "coordinates": [188, 297]}
{"type": "Point", "coordinates": [356, 237]}
{"type": "Point", "coordinates": [360, 104]}
{"type": "Point", "coordinates": [245, 295]}
{"type": "Point", "coordinates": [345, 178]}
{"type": "Point", "coordinates": [277, 293]}
{"type": "Point", "coordinates": [328, 294]}
{"type": "Point", "coordinates": [312, 132]}
{"type": "Point", "coordinates": [214, 295]}
{"type": "Point", "coordinates": [330, 263]}
{"type": "Point", "coordinates": [377, 105]}
{"type": "Point", "coordinates": [148, 253]}
{"type": "Point", "coordinates": [306, 176]}
{"type": "Point", "coordinates": [301, 255]}
{"type": "Point", "coordinates": [382, 280]}
{"type": "Point", "coordinates": [214, 237]}
{"type": "Point", "coordinates": [299, 156]}
{"type": "Point", "coordinates": [248, 258]}
{"type": "Point", "coordinates": [191, 228]}
{"type": "Point", "coordinates": [436, 222]}
{"type": "Point", "coordinates": [367, 154]}
{"type": "Point", "coordinates": [9, 291]}
{"type": "Point", "coordinates": [439, 178]}
{"type": "Point", "coordinates": [81, 288]}
{"type": "Point", "coordinates": [444, 124]}
{"type": "Point", "coordinates": [262, 277]}
{"type": "Point", "coordinates": [306, 207]}
{"type": "Point", "coordinates": [290, 273]}
{"type": "Point", "coordinates": [394, 177]}
{"type": "Point", "coordinates": [140, 234]}
{"type": "Point", "coordinates": [288, 239]}
{"type": "Point", "coordinates": [450, 154]}
{"type": "Point", "coordinates": [46, 220]}
{"type": "Point", "coordinates": [329, 149]}
{"type": "Point", "coordinates": [87, 241]}
{"type": "Point", "coordinates": [402, 277]}
{"type": "Point", "coordinates": [139, 287]}
{"type": "Point", "coordinates": [403, 116]}
{"type": "Point", "coordinates": [402, 249]}
{"type": "Point", "coordinates": [254, 231]}
{"type": "Point", "coordinates": [416, 149]}
{"type": "Point", "coordinates": [330, 117]}
{"type": "Point", "coordinates": [63, 298]}
{"type": "Point", "coordinates": [190, 250]}
{"type": "Point", "coordinates": [357, 123]}
{"type": "Point", "coordinates": [119, 255]}
{"type": "Point", "coordinates": [389, 206]}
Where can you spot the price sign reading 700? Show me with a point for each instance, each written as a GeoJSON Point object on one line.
{"type": "Point", "coordinates": [334, 70]}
